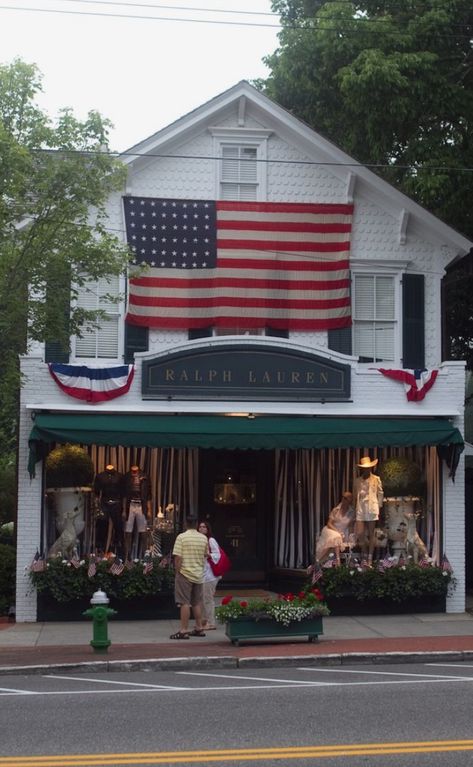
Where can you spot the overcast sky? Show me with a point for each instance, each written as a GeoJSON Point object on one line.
{"type": "Point", "coordinates": [141, 73]}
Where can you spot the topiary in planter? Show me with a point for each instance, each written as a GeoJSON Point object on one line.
{"type": "Point", "coordinates": [401, 477]}
{"type": "Point", "coordinates": [69, 466]}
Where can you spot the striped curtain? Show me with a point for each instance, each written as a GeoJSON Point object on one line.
{"type": "Point", "coordinates": [173, 474]}
{"type": "Point", "coordinates": [309, 483]}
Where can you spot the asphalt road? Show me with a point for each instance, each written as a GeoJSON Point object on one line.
{"type": "Point", "coordinates": [360, 715]}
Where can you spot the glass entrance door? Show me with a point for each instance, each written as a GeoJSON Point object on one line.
{"type": "Point", "coordinates": [236, 496]}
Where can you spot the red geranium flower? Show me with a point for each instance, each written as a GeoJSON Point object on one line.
{"type": "Point", "coordinates": [243, 604]}
{"type": "Point", "coordinates": [226, 600]}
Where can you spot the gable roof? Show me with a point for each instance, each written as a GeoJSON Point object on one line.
{"type": "Point", "coordinates": [299, 134]}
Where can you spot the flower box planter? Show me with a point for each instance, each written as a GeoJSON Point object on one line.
{"type": "Point", "coordinates": [247, 629]}
{"type": "Point", "coordinates": [153, 607]}
{"type": "Point", "coordinates": [349, 605]}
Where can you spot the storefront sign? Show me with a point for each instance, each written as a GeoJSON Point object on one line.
{"type": "Point", "coordinates": [245, 372]}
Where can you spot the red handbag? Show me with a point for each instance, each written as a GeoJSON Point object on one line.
{"type": "Point", "coordinates": [222, 566]}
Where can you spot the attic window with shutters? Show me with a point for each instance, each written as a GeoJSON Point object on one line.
{"type": "Point", "coordinates": [239, 173]}
{"type": "Point", "coordinates": [103, 342]}
{"type": "Point", "coordinates": [241, 170]}
{"type": "Point", "coordinates": [375, 317]}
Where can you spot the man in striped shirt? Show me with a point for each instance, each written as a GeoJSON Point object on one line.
{"type": "Point", "coordinates": [190, 551]}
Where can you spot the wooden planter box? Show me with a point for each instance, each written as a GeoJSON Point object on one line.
{"type": "Point", "coordinates": [246, 629]}
{"type": "Point", "coordinates": [140, 609]}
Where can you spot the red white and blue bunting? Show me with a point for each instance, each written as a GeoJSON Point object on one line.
{"type": "Point", "coordinates": [416, 382]}
{"type": "Point", "coordinates": [92, 384]}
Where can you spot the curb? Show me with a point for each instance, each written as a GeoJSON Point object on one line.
{"type": "Point", "coordinates": [232, 662]}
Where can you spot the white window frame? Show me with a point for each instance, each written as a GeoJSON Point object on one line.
{"type": "Point", "coordinates": [242, 137]}
{"type": "Point", "coordinates": [386, 269]}
{"type": "Point", "coordinates": [117, 312]}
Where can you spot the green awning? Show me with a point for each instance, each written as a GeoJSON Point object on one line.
{"type": "Point", "coordinates": [232, 432]}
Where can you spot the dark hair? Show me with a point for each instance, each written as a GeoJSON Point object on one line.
{"type": "Point", "coordinates": [207, 525]}
{"type": "Point", "coordinates": [191, 522]}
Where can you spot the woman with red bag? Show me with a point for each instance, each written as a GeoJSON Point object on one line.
{"type": "Point", "coordinates": [210, 580]}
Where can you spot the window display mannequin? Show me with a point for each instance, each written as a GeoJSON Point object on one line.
{"type": "Point", "coordinates": [335, 536]}
{"type": "Point", "coordinates": [138, 507]}
{"type": "Point", "coordinates": [109, 489]}
{"type": "Point", "coordinates": [368, 496]}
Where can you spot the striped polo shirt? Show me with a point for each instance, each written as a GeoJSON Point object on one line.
{"type": "Point", "coordinates": [193, 548]}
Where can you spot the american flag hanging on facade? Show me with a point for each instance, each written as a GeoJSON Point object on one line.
{"type": "Point", "coordinates": [249, 264]}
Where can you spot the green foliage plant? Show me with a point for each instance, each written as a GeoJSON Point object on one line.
{"type": "Point", "coordinates": [69, 466]}
{"type": "Point", "coordinates": [400, 477]}
{"type": "Point", "coordinates": [56, 178]}
{"type": "Point", "coordinates": [65, 582]}
{"type": "Point", "coordinates": [7, 577]}
{"type": "Point", "coordinates": [394, 584]}
{"type": "Point", "coordinates": [391, 84]}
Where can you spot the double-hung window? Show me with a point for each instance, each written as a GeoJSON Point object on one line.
{"type": "Point", "coordinates": [375, 317]}
{"type": "Point", "coordinates": [102, 342]}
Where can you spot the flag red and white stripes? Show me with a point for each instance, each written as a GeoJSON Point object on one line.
{"type": "Point", "coordinates": [117, 568]}
{"type": "Point", "coordinates": [416, 382]}
{"type": "Point", "coordinates": [249, 264]}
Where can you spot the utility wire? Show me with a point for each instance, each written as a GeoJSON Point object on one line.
{"type": "Point", "coordinates": [267, 161]}
{"type": "Point", "coordinates": [319, 27]}
{"type": "Point", "coordinates": [271, 14]}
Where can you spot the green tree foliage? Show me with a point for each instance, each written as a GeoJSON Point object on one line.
{"type": "Point", "coordinates": [52, 175]}
{"type": "Point", "coordinates": [390, 82]}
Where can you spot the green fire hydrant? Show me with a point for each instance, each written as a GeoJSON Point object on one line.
{"type": "Point", "coordinates": [100, 613]}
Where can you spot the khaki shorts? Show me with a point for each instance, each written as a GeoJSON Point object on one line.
{"type": "Point", "coordinates": [186, 592]}
{"type": "Point", "coordinates": [135, 513]}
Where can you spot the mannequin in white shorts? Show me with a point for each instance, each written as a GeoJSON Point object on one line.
{"type": "Point", "coordinates": [368, 499]}
{"type": "Point", "coordinates": [138, 504]}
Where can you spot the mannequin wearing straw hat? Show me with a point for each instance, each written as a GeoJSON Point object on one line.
{"type": "Point", "coordinates": [368, 496]}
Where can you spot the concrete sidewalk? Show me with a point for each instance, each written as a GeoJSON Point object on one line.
{"type": "Point", "coordinates": [35, 647]}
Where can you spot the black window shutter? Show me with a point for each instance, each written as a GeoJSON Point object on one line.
{"type": "Point", "coordinates": [339, 340]}
{"type": "Point", "coordinates": [413, 321]}
{"type": "Point", "coordinates": [136, 340]}
{"type": "Point", "coordinates": [194, 333]}
{"type": "Point", "coordinates": [58, 304]}
{"type": "Point", "coordinates": [269, 331]}
{"type": "Point", "coordinates": [54, 352]}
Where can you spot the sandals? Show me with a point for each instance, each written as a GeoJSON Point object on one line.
{"type": "Point", "coordinates": [197, 633]}
{"type": "Point", "coordinates": [179, 635]}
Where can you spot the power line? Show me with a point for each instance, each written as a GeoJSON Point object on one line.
{"type": "Point", "coordinates": [174, 7]}
{"type": "Point", "coordinates": [321, 27]}
{"type": "Point", "coordinates": [267, 161]}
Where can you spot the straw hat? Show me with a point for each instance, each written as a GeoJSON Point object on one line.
{"type": "Point", "coordinates": [367, 463]}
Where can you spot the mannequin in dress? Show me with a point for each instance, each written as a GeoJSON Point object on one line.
{"type": "Point", "coordinates": [109, 490]}
{"type": "Point", "coordinates": [368, 496]}
{"type": "Point", "coordinates": [138, 507]}
{"type": "Point", "coordinates": [334, 537]}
